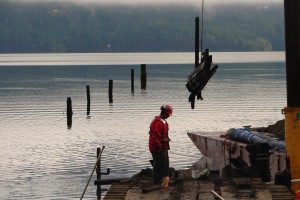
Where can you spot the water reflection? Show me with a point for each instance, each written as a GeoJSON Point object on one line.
{"type": "Point", "coordinates": [54, 162]}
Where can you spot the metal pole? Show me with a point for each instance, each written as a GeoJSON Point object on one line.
{"type": "Point", "coordinates": [217, 195]}
{"type": "Point", "coordinates": [98, 172]}
{"type": "Point", "coordinates": [92, 172]}
{"type": "Point", "coordinates": [295, 180]}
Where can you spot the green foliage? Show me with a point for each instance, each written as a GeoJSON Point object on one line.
{"type": "Point", "coordinates": [66, 27]}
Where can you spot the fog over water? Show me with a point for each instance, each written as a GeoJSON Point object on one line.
{"type": "Point", "coordinates": [153, 2]}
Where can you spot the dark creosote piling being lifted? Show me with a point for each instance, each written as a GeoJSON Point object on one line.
{"type": "Point", "coordinates": [196, 42]}
{"type": "Point", "coordinates": [110, 91]}
{"type": "Point", "coordinates": [88, 97]}
{"type": "Point", "coordinates": [196, 52]}
{"type": "Point", "coordinates": [143, 77]}
{"type": "Point", "coordinates": [69, 112]}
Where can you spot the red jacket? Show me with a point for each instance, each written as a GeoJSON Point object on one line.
{"type": "Point", "coordinates": [158, 135]}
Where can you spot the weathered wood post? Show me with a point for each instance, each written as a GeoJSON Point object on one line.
{"type": "Point", "coordinates": [196, 41]}
{"type": "Point", "coordinates": [69, 112]}
{"type": "Point", "coordinates": [98, 172]}
{"type": "Point", "coordinates": [143, 77]}
{"type": "Point", "coordinates": [193, 103]}
{"type": "Point", "coordinates": [132, 80]}
{"type": "Point", "coordinates": [110, 91]}
{"type": "Point", "coordinates": [88, 100]}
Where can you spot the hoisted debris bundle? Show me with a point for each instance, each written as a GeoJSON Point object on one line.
{"type": "Point", "coordinates": [200, 76]}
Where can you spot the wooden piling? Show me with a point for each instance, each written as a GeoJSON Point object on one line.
{"type": "Point", "coordinates": [193, 103]}
{"type": "Point", "coordinates": [196, 41]}
{"type": "Point", "coordinates": [196, 53]}
{"type": "Point", "coordinates": [69, 112]}
{"type": "Point", "coordinates": [132, 80]}
{"type": "Point", "coordinates": [98, 172]}
{"type": "Point", "coordinates": [143, 77]}
{"type": "Point", "coordinates": [69, 107]}
{"type": "Point", "coordinates": [88, 100]}
{"type": "Point", "coordinates": [110, 91]}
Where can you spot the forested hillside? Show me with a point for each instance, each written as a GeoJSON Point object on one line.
{"type": "Point", "coordinates": [65, 27]}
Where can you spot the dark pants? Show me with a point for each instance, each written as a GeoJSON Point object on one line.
{"type": "Point", "coordinates": [160, 166]}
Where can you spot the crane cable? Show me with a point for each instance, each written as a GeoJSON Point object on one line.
{"type": "Point", "coordinates": [202, 26]}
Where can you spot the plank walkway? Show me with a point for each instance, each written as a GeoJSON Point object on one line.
{"type": "Point", "coordinates": [117, 191]}
{"type": "Point", "coordinates": [186, 188]}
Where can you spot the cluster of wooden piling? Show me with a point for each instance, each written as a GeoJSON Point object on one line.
{"type": "Point", "coordinates": [143, 80]}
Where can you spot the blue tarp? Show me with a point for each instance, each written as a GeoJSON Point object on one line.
{"type": "Point", "coordinates": [252, 137]}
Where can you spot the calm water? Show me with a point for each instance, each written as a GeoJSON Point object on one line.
{"type": "Point", "coordinates": [42, 159]}
{"type": "Point", "coordinates": [135, 58]}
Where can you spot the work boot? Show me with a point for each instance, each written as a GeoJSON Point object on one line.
{"type": "Point", "coordinates": [165, 182]}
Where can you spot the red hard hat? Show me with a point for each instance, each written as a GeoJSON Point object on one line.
{"type": "Point", "coordinates": [167, 108]}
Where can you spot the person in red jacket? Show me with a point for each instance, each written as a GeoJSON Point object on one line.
{"type": "Point", "coordinates": [159, 145]}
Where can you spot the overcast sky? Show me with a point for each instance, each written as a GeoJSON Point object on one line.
{"type": "Point", "coordinates": [168, 2]}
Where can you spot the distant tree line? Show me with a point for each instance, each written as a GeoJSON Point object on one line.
{"type": "Point", "coordinates": [65, 27]}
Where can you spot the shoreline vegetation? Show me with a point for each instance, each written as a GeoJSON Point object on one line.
{"type": "Point", "coordinates": [64, 27]}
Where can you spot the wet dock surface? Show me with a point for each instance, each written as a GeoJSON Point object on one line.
{"type": "Point", "coordinates": [184, 187]}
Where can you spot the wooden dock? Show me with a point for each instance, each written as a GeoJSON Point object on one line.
{"type": "Point", "coordinates": [117, 191]}
{"type": "Point", "coordinates": [184, 187]}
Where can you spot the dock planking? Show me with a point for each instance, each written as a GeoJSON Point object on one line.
{"type": "Point", "coordinates": [117, 191]}
{"type": "Point", "coordinates": [186, 188]}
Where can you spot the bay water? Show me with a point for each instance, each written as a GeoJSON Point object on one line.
{"type": "Point", "coordinates": [42, 158]}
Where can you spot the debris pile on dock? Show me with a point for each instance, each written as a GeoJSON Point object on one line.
{"type": "Point", "coordinates": [276, 130]}
{"type": "Point", "coordinates": [249, 136]}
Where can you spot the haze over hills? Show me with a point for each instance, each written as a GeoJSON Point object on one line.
{"type": "Point", "coordinates": [61, 26]}
{"type": "Point", "coordinates": [155, 2]}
